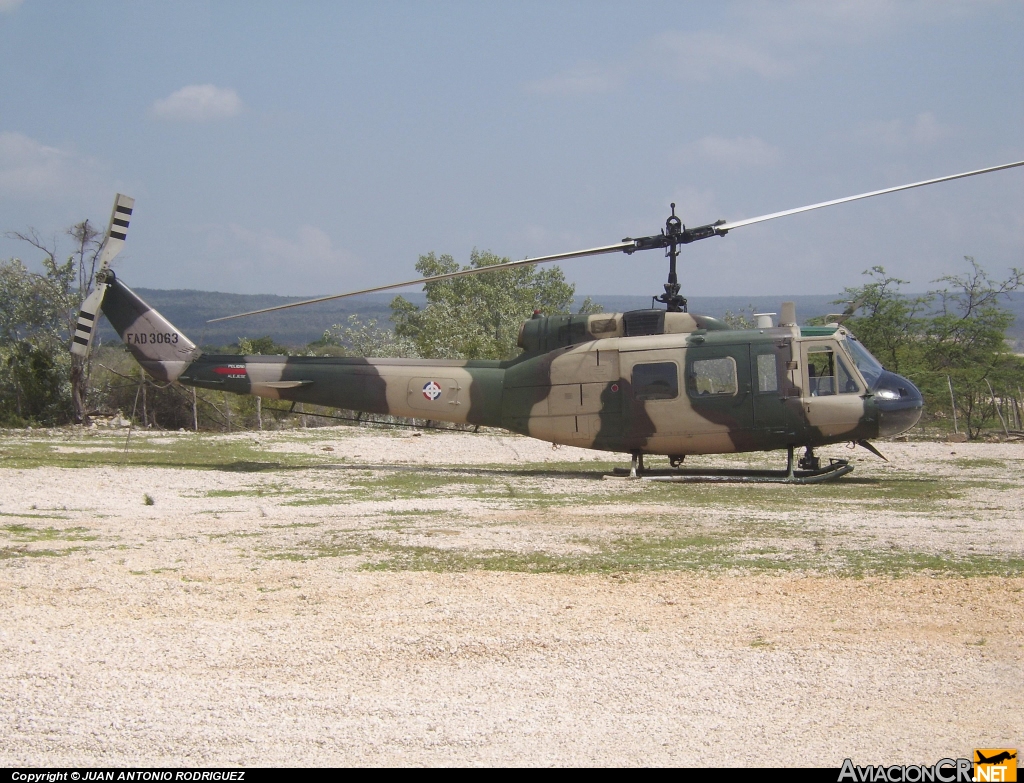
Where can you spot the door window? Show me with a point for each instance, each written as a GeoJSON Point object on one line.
{"type": "Point", "coordinates": [767, 373]}
{"type": "Point", "coordinates": [655, 381]}
{"type": "Point", "coordinates": [713, 377]}
{"type": "Point", "coordinates": [827, 373]}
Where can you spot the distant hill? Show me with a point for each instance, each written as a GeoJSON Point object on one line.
{"type": "Point", "coordinates": [189, 311]}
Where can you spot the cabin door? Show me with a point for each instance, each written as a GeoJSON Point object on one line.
{"type": "Point", "coordinates": [776, 397]}
{"type": "Point", "coordinates": [718, 386]}
{"type": "Point", "coordinates": [833, 397]}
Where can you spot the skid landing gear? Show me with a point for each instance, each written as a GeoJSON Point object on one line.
{"type": "Point", "coordinates": [636, 465]}
{"type": "Point", "coordinates": [809, 472]}
{"type": "Point", "coordinates": [808, 461]}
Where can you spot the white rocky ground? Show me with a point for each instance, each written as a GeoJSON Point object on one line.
{"type": "Point", "coordinates": [223, 628]}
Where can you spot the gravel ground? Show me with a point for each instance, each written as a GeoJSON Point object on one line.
{"type": "Point", "coordinates": [215, 627]}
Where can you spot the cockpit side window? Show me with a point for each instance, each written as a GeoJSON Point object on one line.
{"type": "Point", "coordinates": [846, 383]}
{"type": "Point", "coordinates": [828, 373]}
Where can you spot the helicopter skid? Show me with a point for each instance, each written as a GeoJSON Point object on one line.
{"type": "Point", "coordinates": [834, 470]}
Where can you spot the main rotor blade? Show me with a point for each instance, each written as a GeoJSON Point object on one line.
{"type": "Point", "coordinates": [627, 246]}
{"type": "Point", "coordinates": [594, 251]}
{"type": "Point", "coordinates": [739, 223]}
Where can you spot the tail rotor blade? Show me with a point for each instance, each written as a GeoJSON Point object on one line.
{"type": "Point", "coordinates": [88, 315]}
{"type": "Point", "coordinates": [117, 230]}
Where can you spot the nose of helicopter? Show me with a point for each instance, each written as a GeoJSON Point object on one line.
{"type": "Point", "coordinates": [899, 404]}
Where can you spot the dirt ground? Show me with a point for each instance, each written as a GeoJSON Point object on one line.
{"type": "Point", "coordinates": [337, 597]}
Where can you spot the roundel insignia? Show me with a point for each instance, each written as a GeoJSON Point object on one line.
{"type": "Point", "coordinates": [431, 390]}
{"type": "Point", "coordinates": [615, 387]}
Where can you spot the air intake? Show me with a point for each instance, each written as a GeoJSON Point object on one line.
{"type": "Point", "coordinates": [638, 323]}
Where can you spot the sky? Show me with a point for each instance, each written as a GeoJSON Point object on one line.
{"type": "Point", "coordinates": [308, 148]}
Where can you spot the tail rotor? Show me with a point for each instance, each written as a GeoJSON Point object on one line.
{"type": "Point", "coordinates": [113, 243]}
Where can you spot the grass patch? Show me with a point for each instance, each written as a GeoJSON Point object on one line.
{"type": "Point", "coordinates": [32, 516]}
{"type": "Point", "coordinates": [10, 553]}
{"type": "Point", "coordinates": [31, 534]}
{"type": "Point", "coordinates": [979, 463]}
{"type": "Point", "coordinates": [673, 555]}
{"type": "Point", "coordinates": [264, 490]}
{"type": "Point", "coordinates": [332, 499]}
{"type": "Point", "coordinates": [236, 534]}
{"type": "Point", "coordinates": [195, 451]}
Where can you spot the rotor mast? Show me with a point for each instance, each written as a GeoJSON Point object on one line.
{"type": "Point", "coordinates": [671, 237]}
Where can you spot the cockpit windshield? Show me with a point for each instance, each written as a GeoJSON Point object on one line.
{"type": "Point", "coordinates": [868, 365]}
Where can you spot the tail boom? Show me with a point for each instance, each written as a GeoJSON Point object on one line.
{"type": "Point", "coordinates": [463, 392]}
{"type": "Point", "coordinates": [163, 351]}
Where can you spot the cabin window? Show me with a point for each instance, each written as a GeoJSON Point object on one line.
{"type": "Point", "coordinates": [713, 377]}
{"type": "Point", "coordinates": [658, 381]}
{"type": "Point", "coordinates": [828, 374]}
{"type": "Point", "coordinates": [767, 373]}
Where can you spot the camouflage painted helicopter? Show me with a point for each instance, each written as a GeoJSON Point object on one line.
{"type": "Point", "coordinates": [660, 381]}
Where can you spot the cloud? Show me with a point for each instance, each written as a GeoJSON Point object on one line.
{"type": "Point", "coordinates": [924, 131]}
{"type": "Point", "coordinates": [581, 80]}
{"type": "Point", "coordinates": [198, 103]}
{"type": "Point", "coordinates": [759, 39]}
{"type": "Point", "coordinates": [695, 206]}
{"type": "Point", "coordinates": [7, 6]}
{"type": "Point", "coordinates": [311, 251]}
{"type": "Point", "coordinates": [703, 57]}
{"type": "Point", "coordinates": [739, 153]}
{"type": "Point", "coordinates": [32, 170]}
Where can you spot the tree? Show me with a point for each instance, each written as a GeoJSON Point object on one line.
{"type": "Point", "coordinates": [740, 320]}
{"type": "Point", "coordinates": [56, 295]}
{"type": "Point", "coordinates": [34, 361]}
{"type": "Point", "coordinates": [479, 316]}
{"type": "Point", "coordinates": [260, 346]}
{"type": "Point", "coordinates": [357, 337]}
{"type": "Point", "coordinates": [951, 335]}
{"type": "Point", "coordinates": [890, 322]}
{"type": "Point", "coordinates": [965, 341]}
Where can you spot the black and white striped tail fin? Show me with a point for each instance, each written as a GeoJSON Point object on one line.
{"type": "Point", "coordinates": [113, 243]}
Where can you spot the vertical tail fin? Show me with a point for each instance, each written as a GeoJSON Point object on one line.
{"type": "Point", "coordinates": [162, 350]}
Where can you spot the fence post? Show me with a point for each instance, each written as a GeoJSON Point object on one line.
{"type": "Point", "coordinates": [999, 413]}
{"type": "Point", "coordinates": [145, 415]}
{"type": "Point", "coordinates": [195, 411]}
{"type": "Point", "coordinates": [952, 402]}
{"type": "Point", "coordinates": [259, 412]}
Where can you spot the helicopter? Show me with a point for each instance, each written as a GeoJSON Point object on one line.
{"type": "Point", "coordinates": [657, 381]}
